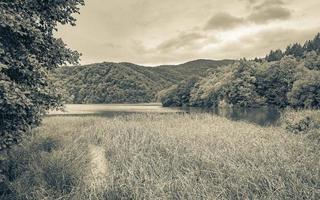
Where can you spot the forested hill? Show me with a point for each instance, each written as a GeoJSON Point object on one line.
{"type": "Point", "coordinates": [109, 82]}
{"type": "Point", "coordinates": [289, 78]}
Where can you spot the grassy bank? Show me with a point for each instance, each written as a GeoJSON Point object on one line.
{"type": "Point", "coordinates": [164, 157]}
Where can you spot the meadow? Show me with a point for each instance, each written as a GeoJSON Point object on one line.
{"type": "Point", "coordinates": [164, 156]}
{"type": "Point", "coordinates": [158, 155]}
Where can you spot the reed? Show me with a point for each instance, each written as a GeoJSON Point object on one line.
{"type": "Point", "coordinates": [152, 156]}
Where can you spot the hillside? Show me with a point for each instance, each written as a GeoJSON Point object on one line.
{"type": "Point", "coordinates": [109, 82]}
{"type": "Point", "coordinates": [282, 79]}
{"type": "Point", "coordinates": [190, 69]}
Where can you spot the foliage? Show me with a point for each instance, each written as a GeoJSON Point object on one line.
{"type": "Point", "coordinates": [241, 90]}
{"type": "Point", "coordinates": [124, 82]}
{"type": "Point", "coordinates": [178, 95]}
{"type": "Point", "coordinates": [234, 84]}
{"type": "Point", "coordinates": [248, 84]}
{"type": "Point", "coordinates": [169, 97]}
{"type": "Point", "coordinates": [210, 91]}
{"type": "Point", "coordinates": [297, 50]}
{"type": "Point", "coordinates": [28, 51]}
{"type": "Point", "coordinates": [274, 55]}
{"type": "Point", "coordinates": [305, 92]}
{"type": "Point", "coordinates": [313, 45]}
{"type": "Point", "coordinates": [286, 81]}
{"type": "Point", "coordinates": [301, 121]}
{"type": "Point", "coordinates": [312, 60]}
{"type": "Point", "coordinates": [104, 83]}
{"type": "Point", "coordinates": [276, 80]}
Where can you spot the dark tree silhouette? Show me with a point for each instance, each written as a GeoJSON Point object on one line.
{"type": "Point", "coordinates": [274, 55]}
{"type": "Point", "coordinates": [295, 50]}
{"type": "Point", "coordinates": [28, 51]}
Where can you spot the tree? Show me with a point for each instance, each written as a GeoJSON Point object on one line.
{"type": "Point", "coordinates": [185, 88]}
{"type": "Point", "coordinates": [295, 50]}
{"type": "Point", "coordinates": [274, 55]}
{"type": "Point", "coordinates": [274, 82]}
{"type": "Point", "coordinates": [209, 91]}
{"type": "Point", "coordinates": [259, 60]}
{"type": "Point", "coordinates": [305, 92]}
{"type": "Point", "coordinates": [242, 90]}
{"type": "Point", "coordinates": [178, 95]}
{"type": "Point", "coordinates": [313, 45]}
{"type": "Point", "coordinates": [312, 60]}
{"type": "Point", "coordinates": [169, 97]}
{"type": "Point", "coordinates": [28, 51]}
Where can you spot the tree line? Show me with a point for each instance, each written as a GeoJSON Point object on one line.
{"type": "Point", "coordinates": [292, 79]}
{"type": "Point", "coordinates": [109, 82]}
{"type": "Point", "coordinates": [297, 50]}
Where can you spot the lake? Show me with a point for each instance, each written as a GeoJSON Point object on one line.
{"type": "Point", "coordinates": [262, 116]}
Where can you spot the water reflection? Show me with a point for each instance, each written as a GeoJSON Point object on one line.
{"type": "Point", "coordinates": [263, 116]}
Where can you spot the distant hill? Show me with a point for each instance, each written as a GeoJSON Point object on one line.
{"type": "Point", "coordinates": [109, 82]}
{"type": "Point", "coordinates": [289, 78]}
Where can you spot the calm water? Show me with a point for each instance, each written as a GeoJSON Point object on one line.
{"type": "Point", "coordinates": [262, 116]}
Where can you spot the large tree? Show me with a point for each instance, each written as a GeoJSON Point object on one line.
{"type": "Point", "coordinates": [28, 51]}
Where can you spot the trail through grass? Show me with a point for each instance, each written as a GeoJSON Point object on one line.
{"type": "Point", "coordinates": [98, 169]}
{"type": "Point", "coordinates": [152, 156]}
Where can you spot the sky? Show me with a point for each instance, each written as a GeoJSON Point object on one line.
{"type": "Point", "coordinates": [154, 32]}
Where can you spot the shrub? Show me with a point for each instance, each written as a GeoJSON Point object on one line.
{"type": "Point", "coordinates": [300, 121]}
{"type": "Point", "coordinates": [305, 92]}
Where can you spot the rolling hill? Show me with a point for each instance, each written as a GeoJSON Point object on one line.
{"type": "Point", "coordinates": [110, 82]}
{"type": "Point", "coordinates": [289, 78]}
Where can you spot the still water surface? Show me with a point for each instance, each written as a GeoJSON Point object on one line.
{"type": "Point", "coordinates": [262, 116]}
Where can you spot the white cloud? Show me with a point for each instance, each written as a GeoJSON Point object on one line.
{"type": "Point", "coordinates": [160, 32]}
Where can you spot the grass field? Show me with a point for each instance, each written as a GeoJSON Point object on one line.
{"type": "Point", "coordinates": [150, 156]}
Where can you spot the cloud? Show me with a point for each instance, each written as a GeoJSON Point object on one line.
{"type": "Point", "coordinates": [167, 31]}
{"type": "Point", "coordinates": [257, 3]}
{"type": "Point", "coordinates": [182, 40]}
{"type": "Point", "coordinates": [265, 15]}
{"type": "Point", "coordinates": [223, 21]}
{"type": "Point", "coordinates": [260, 43]}
{"type": "Point", "coordinates": [264, 11]}
{"type": "Point", "coordinates": [269, 3]}
{"type": "Point", "coordinates": [261, 12]}
{"type": "Point", "coordinates": [281, 37]}
{"type": "Point", "coordinates": [269, 10]}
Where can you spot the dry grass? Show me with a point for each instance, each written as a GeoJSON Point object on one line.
{"type": "Point", "coordinates": [166, 157]}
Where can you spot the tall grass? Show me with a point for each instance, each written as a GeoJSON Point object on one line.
{"type": "Point", "coordinates": [165, 157]}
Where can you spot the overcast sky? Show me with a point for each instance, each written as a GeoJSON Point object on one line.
{"type": "Point", "coordinates": [153, 32]}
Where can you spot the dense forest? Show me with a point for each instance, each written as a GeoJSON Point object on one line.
{"type": "Point", "coordinates": [124, 82]}
{"type": "Point", "coordinates": [283, 78]}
